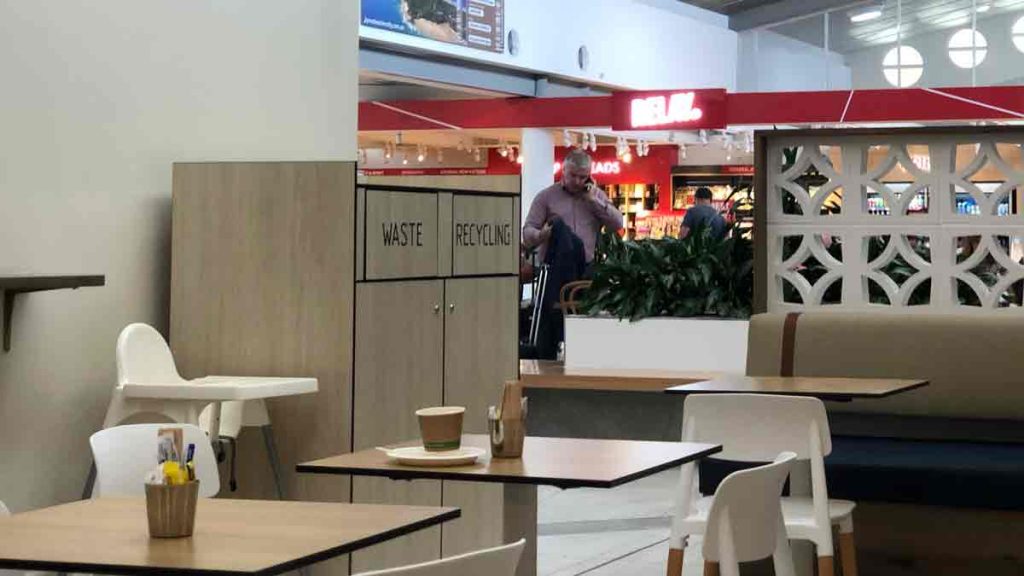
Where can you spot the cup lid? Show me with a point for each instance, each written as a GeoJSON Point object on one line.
{"type": "Point", "coordinates": [440, 410]}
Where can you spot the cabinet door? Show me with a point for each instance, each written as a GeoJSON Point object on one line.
{"type": "Point", "coordinates": [400, 236]}
{"type": "Point", "coordinates": [398, 369]}
{"type": "Point", "coordinates": [481, 353]}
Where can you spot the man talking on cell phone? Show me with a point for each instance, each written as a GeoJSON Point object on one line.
{"type": "Point", "coordinates": [564, 221]}
{"type": "Point", "coordinates": [577, 202]}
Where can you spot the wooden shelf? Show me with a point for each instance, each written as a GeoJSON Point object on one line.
{"type": "Point", "coordinates": [11, 286]}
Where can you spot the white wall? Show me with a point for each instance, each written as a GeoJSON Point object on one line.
{"type": "Point", "coordinates": [1003, 63]}
{"type": "Point", "coordinates": [99, 98]}
{"type": "Point", "coordinates": [771, 62]}
{"type": "Point", "coordinates": [639, 44]}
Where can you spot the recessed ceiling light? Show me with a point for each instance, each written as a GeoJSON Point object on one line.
{"type": "Point", "coordinates": [865, 14]}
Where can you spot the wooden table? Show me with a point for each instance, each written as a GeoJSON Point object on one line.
{"type": "Point", "coordinates": [838, 389]}
{"type": "Point", "coordinates": [553, 374]}
{"type": "Point", "coordinates": [110, 536]}
{"type": "Point", "coordinates": [561, 462]}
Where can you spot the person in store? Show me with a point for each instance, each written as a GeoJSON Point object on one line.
{"type": "Point", "coordinates": [564, 222]}
{"type": "Point", "coordinates": [577, 201]}
{"type": "Point", "coordinates": [702, 213]}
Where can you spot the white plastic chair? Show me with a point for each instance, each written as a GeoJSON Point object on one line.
{"type": "Point", "coordinates": [124, 454]}
{"type": "Point", "coordinates": [754, 428]}
{"type": "Point", "coordinates": [235, 415]}
{"type": "Point", "coordinates": [745, 520]}
{"type": "Point", "coordinates": [497, 561]}
{"type": "Point", "coordinates": [144, 357]}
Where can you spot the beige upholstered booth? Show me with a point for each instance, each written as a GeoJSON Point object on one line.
{"type": "Point", "coordinates": [937, 471]}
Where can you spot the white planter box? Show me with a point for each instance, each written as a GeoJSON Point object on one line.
{"type": "Point", "coordinates": [703, 344]}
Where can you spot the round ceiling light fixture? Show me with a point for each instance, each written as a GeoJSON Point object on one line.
{"type": "Point", "coordinates": [967, 48]}
{"type": "Point", "coordinates": [903, 66]}
{"type": "Point", "coordinates": [1018, 34]}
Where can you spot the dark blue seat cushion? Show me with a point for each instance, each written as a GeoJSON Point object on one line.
{"type": "Point", "coordinates": [943, 473]}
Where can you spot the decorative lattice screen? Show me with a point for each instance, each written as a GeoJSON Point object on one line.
{"type": "Point", "coordinates": [904, 221]}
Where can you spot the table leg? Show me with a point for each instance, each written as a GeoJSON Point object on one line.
{"type": "Point", "coordinates": [800, 485]}
{"type": "Point", "coordinates": [520, 521]}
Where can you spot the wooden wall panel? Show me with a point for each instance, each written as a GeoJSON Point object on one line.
{"type": "Point", "coordinates": [261, 278]}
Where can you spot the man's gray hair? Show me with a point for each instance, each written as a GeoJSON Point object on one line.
{"type": "Point", "coordinates": [577, 158]}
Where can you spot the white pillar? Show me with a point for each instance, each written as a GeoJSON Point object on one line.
{"type": "Point", "coordinates": [538, 152]}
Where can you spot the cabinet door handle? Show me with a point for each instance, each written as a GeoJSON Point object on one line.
{"type": "Point", "coordinates": [451, 307]}
{"type": "Point", "coordinates": [437, 308]}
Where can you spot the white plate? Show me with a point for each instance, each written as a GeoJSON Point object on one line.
{"type": "Point", "coordinates": [418, 456]}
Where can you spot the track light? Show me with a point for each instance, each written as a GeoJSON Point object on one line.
{"type": "Point", "coordinates": [566, 139]}
{"type": "Point", "coordinates": [405, 158]}
{"type": "Point", "coordinates": [476, 154]}
{"type": "Point", "coordinates": [866, 14]}
{"type": "Point", "coordinates": [398, 138]}
{"type": "Point", "coordinates": [702, 137]}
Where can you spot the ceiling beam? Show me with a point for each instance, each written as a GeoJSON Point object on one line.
{"type": "Point", "coordinates": [435, 71]}
{"type": "Point", "coordinates": [787, 10]}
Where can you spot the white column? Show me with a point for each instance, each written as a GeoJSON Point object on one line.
{"type": "Point", "coordinates": [538, 152]}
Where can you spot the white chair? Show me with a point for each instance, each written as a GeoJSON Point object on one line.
{"type": "Point", "coordinates": [754, 428]}
{"type": "Point", "coordinates": [124, 454]}
{"type": "Point", "coordinates": [498, 561]}
{"type": "Point", "coordinates": [143, 357]}
{"type": "Point", "coordinates": [745, 523]}
{"type": "Point", "coordinates": [235, 415]}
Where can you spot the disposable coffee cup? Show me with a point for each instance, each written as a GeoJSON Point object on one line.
{"type": "Point", "coordinates": [441, 427]}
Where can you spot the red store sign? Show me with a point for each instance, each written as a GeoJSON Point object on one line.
{"type": "Point", "coordinates": [668, 110]}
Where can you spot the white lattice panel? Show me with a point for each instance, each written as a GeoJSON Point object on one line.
{"type": "Point", "coordinates": [931, 222]}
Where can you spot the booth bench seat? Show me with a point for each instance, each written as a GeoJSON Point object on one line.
{"type": "Point", "coordinates": [957, 443]}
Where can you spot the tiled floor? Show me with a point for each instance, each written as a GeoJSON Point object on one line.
{"type": "Point", "coordinates": [609, 532]}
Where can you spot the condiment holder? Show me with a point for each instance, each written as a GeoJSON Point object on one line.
{"type": "Point", "coordinates": [171, 509]}
{"type": "Point", "coordinates": [506, 425]}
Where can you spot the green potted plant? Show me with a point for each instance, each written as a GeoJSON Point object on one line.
{"type": "Point", "coordinates": [669, 303]}
{"type": "Point", "coordinates": [700, 275]}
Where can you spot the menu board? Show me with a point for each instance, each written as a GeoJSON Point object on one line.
{"type": "Point", "coordinates": [478, 24]}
